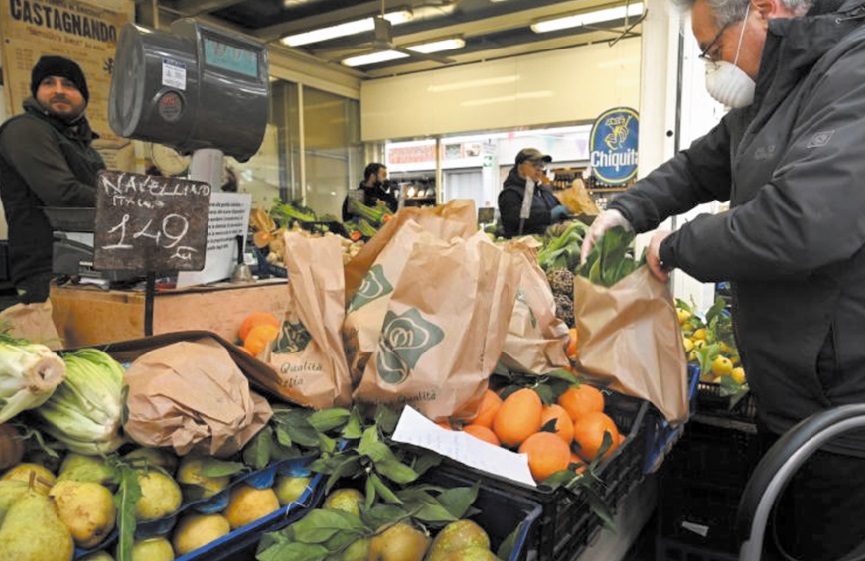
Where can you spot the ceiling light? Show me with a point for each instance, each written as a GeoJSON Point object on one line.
{"type": "Point", "coordinates": [343, 30]}
{"type": "Point", "coordinates": [589, 18]}
{"type": "Point", "coordinates": [372, 58]}
{"type": "Point", "coordinates": [436, 46]}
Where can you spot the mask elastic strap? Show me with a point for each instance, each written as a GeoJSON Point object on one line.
{"type": "Point", "coordinates": [742, 33]}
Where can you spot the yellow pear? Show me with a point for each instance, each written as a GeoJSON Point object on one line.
{"type": "Point", "coordinates": [77, 467]}
{"type": "Point", "coordinates": [196, 530]}
{"type": "Point", "coordinates": [398, 542]}
{"type": "Point", "coordinates": [247, 504]}
{"type": "Point", "coordinates": [160, 495]}
{"type": "Point", "coordinates": [10, 492]}
{"type": "Point", "coordinates": [456, 536]}
{"type": "Point", "coordinates": [474, 553]}
{"type": "Point", "coordinates": [289, 489]}
{"type": "Point", "coordinates": [44, 478]}
{"type": "Point", "coordinates": [32, 531]}
{"type": "Point", "coordinates": [357, 551]}
{"type": "Point", "coordinates": [344, 499]}
{"type": "Point", "coordinates": [101, 555]}
{"type": "Point", "coordinates": [87, 509]}
{"type": "Point", "coordinates": [190, 473]}
{"type": "Point", "coordinates": [146, 458]}
{"type": "Point", "coordinates": [153, 549]}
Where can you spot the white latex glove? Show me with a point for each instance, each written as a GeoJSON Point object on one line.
{"type": "Point", "coordinates": [607, 219]}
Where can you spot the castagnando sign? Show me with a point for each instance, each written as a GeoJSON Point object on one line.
{"type": "Point", "coordinates": [613, 146]}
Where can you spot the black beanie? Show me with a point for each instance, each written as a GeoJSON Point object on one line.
{"type": "Point", "coordinates": [53, 65]}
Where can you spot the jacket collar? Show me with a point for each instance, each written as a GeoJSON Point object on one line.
{"type": "Point", "coordinates": [79, 128]}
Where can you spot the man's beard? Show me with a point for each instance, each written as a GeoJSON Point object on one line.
{"type": "Point", "coordinates": [69, 116]}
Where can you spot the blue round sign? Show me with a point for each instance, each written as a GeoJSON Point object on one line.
{"type": "Point", "coordinates": [613, 146]}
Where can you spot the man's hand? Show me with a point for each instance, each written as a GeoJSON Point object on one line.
{"type": "Point", "coordinates": [653, 256]}
{"type": "Point", "coordinates": [608, 219]}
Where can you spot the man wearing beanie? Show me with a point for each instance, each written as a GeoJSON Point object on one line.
{"type": "Point", "coordinates": [46, 159]}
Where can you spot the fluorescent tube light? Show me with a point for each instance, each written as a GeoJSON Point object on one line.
{"type": "Point", "coordinates": [436, 46]}
{"type": "Point", "coordinates": [589, 18]}
{"type": "Point", "coordinates": [372, 58]}
{"type": "Point", "coordinates": [342, 30]}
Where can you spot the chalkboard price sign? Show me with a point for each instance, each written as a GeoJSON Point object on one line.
{"type": "Point", "coordinates": [150, 223]}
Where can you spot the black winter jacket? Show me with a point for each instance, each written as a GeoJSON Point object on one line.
{"type": "Point", "coordinates": [792, 167]}
{"type": "Point", "coordinates": [371, 197]}
{"type": "Point", "coordinates": [511, 201]}
{"type": "Point", "coordinates": [43, 162]}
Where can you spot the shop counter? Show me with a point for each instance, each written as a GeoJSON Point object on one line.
{"type": "Point", "coordinates": [87, 315]}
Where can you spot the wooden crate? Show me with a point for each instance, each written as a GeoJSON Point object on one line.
{"type": "Point", "coordinates": [86, 315]}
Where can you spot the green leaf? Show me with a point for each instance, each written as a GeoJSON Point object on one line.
{"type": "Point", "coordinates": [321, 524]}
{"type": "Point", "coordinates": [396, 471]}
{"type": "Point", "coordinates": [295, 551]}
{"type": "Point", "coordinates": [329, 419]}
{"type": "Point", "coordinates": [386, 419]}
{"type": "Point", "coordinates": [354, 428]}
{"type": "Point", "coordinates": [349, 468]}
{"type": "Point", "coordinates": [299, 429]}
{"type": "Point", "coordinates": [327, 444]}
{"type": "Point", "coordinates": [283, 437]}
{"type": "Point", "coordinates": [341, 541]}
{"type": "Point", "coordinates": [458, 500]}
{"type": "Point", "coordinates": [376, 451]}
{"type": "Point", "coordinates": [506, 548]}
{"type": "Point", "coordinates": [211, 467]}
{"type": "Point", "coordinates": [369, 493]}
{"type": "Point", "coordinates": [127, 496]}
{"type": "Point", "coordinates": [425, 461]}
{"type": "Point", "coordinates": [367, 439]}
{"type": "Point", "coordinates": [560, 479]}
{"type": "Point", "coordinates": [432, 512]}
{"type": "Point", "coordinates": [256, 454]}
{"type": "Point", "coordinates": [600, 507]}
{"type": "Point", "coordinates": [383, 491]}
{"type": "Point", "coordinates": [381, 514]}
{"type": "Point", "coordinates": [545, 393]}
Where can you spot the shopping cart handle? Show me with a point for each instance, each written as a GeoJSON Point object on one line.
{"type": "Point", "coordinates": [778, 467]}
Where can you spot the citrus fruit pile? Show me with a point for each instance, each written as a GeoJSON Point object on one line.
{"type": "Point", "coordinates": [709, 344]}
{"type": "Point", "coordinates": [257, 330]}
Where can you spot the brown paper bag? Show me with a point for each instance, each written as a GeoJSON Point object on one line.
{"type": "Point", "coordinates": [536, 337]}
{"type": "Point", "coordinates": [308, 354]}
{"type": "Point", "coordinates": [578, 200]}
{"type": "Point", "coordinates": [628, 335]}
{"type": "Point", "coordinates": [33, 322]}
{"type": "Point", "coordinates": [193, 397]}
{"type": "Point", "coordinates": [453, 219]}
{"type": "Point", "coordinates": [444, 328]}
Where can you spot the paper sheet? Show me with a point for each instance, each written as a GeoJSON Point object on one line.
{"type": "Point", "coordinates": [413, 428]}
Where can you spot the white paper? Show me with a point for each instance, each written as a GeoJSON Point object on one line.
{"type": "Point", "coordinates": [173, 74]}
{"type": "Point", "coordinates": [413, 428]}
{"type": "Point", "coordinates": [228, 218]}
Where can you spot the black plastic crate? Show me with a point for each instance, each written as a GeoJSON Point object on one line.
{"type": "Point", "coordinates": [661, 436]}
{"type": "Point", "coordinates": [266, 268]}
{"type": "Point", "coordinates": [741, 407]}
{"type": "Point", "coordinates": [567, 523]}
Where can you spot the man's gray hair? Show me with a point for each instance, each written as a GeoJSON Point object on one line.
{"type": "Point", "coordinates": [728, 12]}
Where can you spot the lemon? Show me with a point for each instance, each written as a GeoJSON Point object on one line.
{"type": "Point", "coordinates": [682, 315]}
{"type": "Point", "coordinates": [699, 334]}
{"type": "Point", "coordinates": [698, 343]}
{"type": "Point", "coordinates": [688, 344]}
{"type": "Point", "coordinates": [738, 375]}
{"type": "Point", "coordinates": [725, 348]}
{"type": "Point", "coordinates": [722, 366]}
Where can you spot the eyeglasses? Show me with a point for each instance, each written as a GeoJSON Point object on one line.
{"type": "Point", "coordinates": [710, 52]}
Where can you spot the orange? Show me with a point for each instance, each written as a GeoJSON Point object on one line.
{"type": "Point", "coordinates": [578, 464]}
{"type": "Point", "coordinates": [582, 399]}
{"type": "Point", "coordinates": [259, 337]}
{"type": "Point", "coordinates": [484, 433]}
{"type": "Point", "coordinates": [518, 417]}
{"type": "Point", "coordinates": [589, 435]}
{"type": "Point", "coordinates": [488, 408]}
{"type": "Point", "coordinates": [547, 454]}
{"type": "Point", "coordinates": [262, 238]}
{"type": "Point", "coordinates": [571, 350]}
{"type": "Point", "coordinates": [255, 319]}
{"type": "Point", "coordinates": [564, 425]}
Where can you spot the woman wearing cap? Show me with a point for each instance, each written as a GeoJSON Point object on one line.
{"type": "Point", "coordinates": [544, 208]}
{"type": "Point", "coordinates": [45, 160]}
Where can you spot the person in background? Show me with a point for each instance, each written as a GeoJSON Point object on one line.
{"type": "Point", "coordinates": [788, 158]}
{"type": "Point", "coordinates": [46, 159]}
{"type": "Point", "coordinates": [373, 189]}
{"type": "Point", "coordinates": [545, 208]}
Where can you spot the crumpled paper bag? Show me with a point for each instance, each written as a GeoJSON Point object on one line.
{"type": "Point", "coordinates": [628, 335]}
{"type": "Point", "coordinates": [33, 322]}
{"type": "Point", "coordinates": [192, 396]}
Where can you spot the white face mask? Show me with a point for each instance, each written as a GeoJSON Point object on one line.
{"type": "Point", "coordinates": [728, 83]}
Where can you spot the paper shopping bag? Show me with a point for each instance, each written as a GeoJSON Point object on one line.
{"type": "Point", "coordinates": [629, 336]}
{"type": "Point", "coordinates": [308, 353]}
{"type": "Point", "coordinates": [444, 328]}
{"type": "Point", "coordinates": [33, 322]}
{"type": "Point", "coordinates": [536, 337]}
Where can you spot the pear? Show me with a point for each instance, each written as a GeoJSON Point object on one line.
{"type": "Point", "coordinates": [398, 542]}
{"type": "Point", "coordinates": [101, 555]}
{"type": "Point", "coordinates": [77, 467]}
{"type": "Point", "coordinates": [87, 509]}
{"type": "Point", "coordinates": [347, 500]}
{"type": "Point", "coordinates": [190, 473]}
{"type": "Point", "coordinates": [357, 551]}
{"type": "Point", "coordinates": [152, 549]}
{"type": "Point", "coordinates": [473, 553]}
{"type": "Point", "coordinates": [32, 531]}
{"type": "Point", "coordinates": [247, 504]}
{"type": "Point", "coordinates": [147, 458]}
{"type": "Point", "coordinates": [44, 478]}
{"type": "Point", "coordinates": [160, 495]}
{"type": "Point", "coordinates": [196, 530]}
{"type": "Point", "coordinates": [10, 491]}
{"type": "Point", "coordinates": [456, 536]}
{"type": "Point", "coordinates": [289, 488]}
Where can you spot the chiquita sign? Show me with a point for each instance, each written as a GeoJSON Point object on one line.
{"type": "Point", "coordinates": [613, 146]}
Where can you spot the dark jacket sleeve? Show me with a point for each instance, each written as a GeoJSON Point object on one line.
{"type": "Point", "coordinates": [34, 153]}
{"type": "Point", "coordinates": [510, 203]}
{"type": "Point", "coordinates": [810, 214]}
{"type": "Point", "coordinates": [696, 175]}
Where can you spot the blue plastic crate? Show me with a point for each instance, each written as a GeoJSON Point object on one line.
{"type": "Point", "coordinates": [661, 436]}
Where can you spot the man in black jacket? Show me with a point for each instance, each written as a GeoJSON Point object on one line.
{"type": "Point", "coordinates": [371, 190]}
{"type": "Point", "coordinates": [46, 159]}
{"type": "Point", "coordinates": [544, 208]}
{"type": "Point", "coordinates": [788, 157]}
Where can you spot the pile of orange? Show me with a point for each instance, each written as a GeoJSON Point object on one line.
{"type": "Point", "coordinates": [522, 422]}
{"type": "Point", "coordinates": [257, 330]}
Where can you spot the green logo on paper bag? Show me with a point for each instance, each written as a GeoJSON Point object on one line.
{"type": "Point", "coordinates": [404, 339]}
{"type": "Point", "coordinates": [521, 298]}
{"type": "Point", "coordinates": [374, 286]}
{"type": "Point", "coordinates": [293, 338]}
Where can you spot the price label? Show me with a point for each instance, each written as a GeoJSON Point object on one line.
{"type": "Point", "coordinates": [149, 223]}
